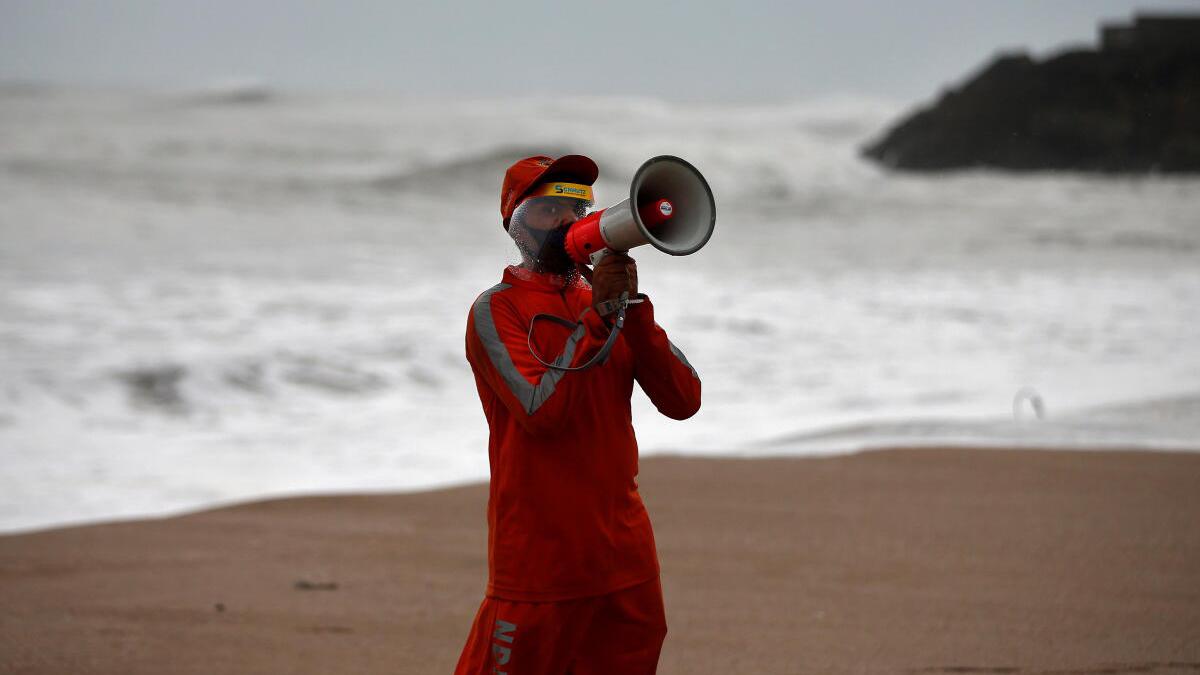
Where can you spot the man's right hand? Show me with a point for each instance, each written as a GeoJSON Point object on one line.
{"type": "Point", "coordinates": [616, 273]}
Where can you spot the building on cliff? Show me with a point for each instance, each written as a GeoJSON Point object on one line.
{"type": "Point", "coordinates": [1153, 32]}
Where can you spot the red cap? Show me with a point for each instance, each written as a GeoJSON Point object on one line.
{"type": "Point", "coordinates": [525, 175]}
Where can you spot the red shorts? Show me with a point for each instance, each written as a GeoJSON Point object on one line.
{"type": "Point", "coordinates": [621, 632]}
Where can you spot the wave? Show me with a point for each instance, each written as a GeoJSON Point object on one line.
{"type": "Point", "coordinates": [27, 89]}
{"type": "Point", "coordinates": [768, 153]}
{"type": "Point", "coordinates": [452, 175]}
{"type": "Point", "coordinates": [155, 387]}
{"type": "Point", "coordinates": [1166, 423]}
{"type": "Point", "coordinates": [175, 388]}
{"type": "Point", "coordinates": [173, 169]}
{"type": "Point", "coordinates": [239, 92]}
{"type": "Point", "coordinates": [1181, 408]}
{"type": "Point", "coordinates": [1130, 240]}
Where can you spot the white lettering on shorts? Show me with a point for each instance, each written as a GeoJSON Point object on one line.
{"type": "Point", "coordinates": [505, 632]}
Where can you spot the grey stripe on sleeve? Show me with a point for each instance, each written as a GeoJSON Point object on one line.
{"type": "Point", "coordinates": [679, 355]}
{"type": "Point", "coordinates": [531, 397]}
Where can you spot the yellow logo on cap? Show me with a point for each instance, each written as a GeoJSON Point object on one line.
{"type": "Point", "coordinates": [572, 190]}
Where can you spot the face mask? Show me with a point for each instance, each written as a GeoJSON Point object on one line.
{"type": "Point", "coordinates": [551, 254]}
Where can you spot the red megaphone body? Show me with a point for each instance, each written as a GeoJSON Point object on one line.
{"type": "Point", "coordinates": [585, 238]}
{"type": "Point", "coordinates": [670, 206]}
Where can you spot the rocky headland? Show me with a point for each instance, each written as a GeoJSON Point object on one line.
{"type": "Point", "coordinates": [1131, 105]}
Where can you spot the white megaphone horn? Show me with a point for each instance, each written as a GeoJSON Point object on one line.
{"type": "Point", "coordinates": [670, 207]}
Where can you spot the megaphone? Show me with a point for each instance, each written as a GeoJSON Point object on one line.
{"type": "Point", "coordinates": [670, 207]}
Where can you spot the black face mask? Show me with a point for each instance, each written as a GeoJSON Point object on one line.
{"type": "Point", "coordinates": [551, 254]}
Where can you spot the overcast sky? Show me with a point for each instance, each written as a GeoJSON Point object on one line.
{"type": "Point", "coordinates": [677, 50]}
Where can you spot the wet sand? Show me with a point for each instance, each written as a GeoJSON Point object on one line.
{"type": "Point", "coordinates": [899, 561]}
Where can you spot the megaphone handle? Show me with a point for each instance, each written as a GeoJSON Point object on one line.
{"type": "Point", "coordinates": [600, 357]}
{"type": "Point", "coordinates": [596, 257]}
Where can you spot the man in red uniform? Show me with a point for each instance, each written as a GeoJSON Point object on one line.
{"type": "Point", "coordinates": [572, 570]}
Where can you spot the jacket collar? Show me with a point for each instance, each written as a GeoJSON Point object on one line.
{"type": "Point", "coordinates": [541, 281]}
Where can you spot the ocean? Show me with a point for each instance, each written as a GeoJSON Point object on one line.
{"type": "Point", "coordinates": [214, 296]}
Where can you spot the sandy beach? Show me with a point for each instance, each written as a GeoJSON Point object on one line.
{"type": "Point", "coordinates": [898, 561]}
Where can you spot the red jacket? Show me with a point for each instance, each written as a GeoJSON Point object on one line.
{"type": "Point", "coordinates": [564, 516]}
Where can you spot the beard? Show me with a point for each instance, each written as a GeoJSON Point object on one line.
{"type": "Point", "coordinates": [551, 254]}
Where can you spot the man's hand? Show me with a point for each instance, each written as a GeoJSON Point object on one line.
{"type": "Point", "coordinates": [616, 273]}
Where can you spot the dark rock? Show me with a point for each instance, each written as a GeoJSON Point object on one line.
{"type": "Point", "coordinates": [1131, 106]}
